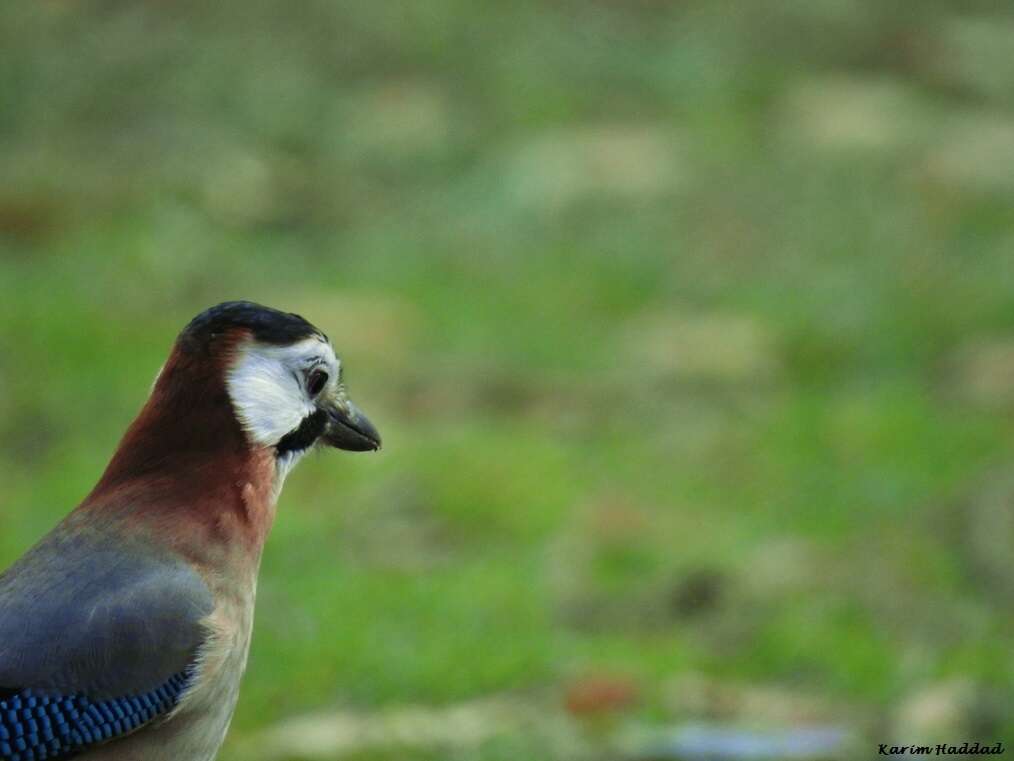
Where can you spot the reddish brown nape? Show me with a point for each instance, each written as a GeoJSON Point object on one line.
{"type": "Point", "coordinates": [184, 468]}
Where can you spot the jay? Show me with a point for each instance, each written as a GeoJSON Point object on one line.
{"type": "Point", "coordinates": [124, 632]}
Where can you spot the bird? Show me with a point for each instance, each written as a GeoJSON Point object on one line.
{"type": "Point", "coordinates": [125, 631]}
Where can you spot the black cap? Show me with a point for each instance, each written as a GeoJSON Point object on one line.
{"type": "Point", "coordinates": [264, 323]}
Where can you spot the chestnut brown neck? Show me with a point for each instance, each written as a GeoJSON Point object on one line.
{"type": "Point", "coordinates": [184, 465]}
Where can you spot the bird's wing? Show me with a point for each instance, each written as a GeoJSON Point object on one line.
{"type": "Point", "coordinates": [98, 636]}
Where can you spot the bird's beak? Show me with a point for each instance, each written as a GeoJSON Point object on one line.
{"type": "Point", "coordinates": [348, 428]}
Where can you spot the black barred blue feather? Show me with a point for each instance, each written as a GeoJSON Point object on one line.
{"type": "Point", "coordinates": [43, 727]}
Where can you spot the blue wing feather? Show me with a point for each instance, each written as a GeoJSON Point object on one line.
{"type": "Point", "coordinates": [98, 636]}
{"type": "Point", "coordinates": [47, 727]}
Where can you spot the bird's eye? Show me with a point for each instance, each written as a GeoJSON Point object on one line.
{"type": "Point", "coordinates": [316, 381]}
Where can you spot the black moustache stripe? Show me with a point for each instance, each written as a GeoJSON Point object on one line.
{"type": "Point", "coordinates": [303, 437]}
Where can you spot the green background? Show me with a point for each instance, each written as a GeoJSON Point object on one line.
{"type": "Point", "coordinates": [689, 328]}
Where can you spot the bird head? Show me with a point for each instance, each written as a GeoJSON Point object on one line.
{"type": "Point", "coordinates": [243, 378]}
{"type": "Point", "coordinates": [284, 382]}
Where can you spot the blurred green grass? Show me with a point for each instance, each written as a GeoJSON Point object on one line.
{"type": "Point", "coordinates": [635, 291]}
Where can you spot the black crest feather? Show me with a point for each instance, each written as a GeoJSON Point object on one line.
{"type": "Point", "coordinates": [266, 324]}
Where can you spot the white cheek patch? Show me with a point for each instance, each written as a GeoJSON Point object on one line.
{"type": "Point", "coordinates": [266, 388]}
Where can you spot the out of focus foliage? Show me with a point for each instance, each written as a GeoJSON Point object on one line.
{"type": "Point", "coordinates": [689, 327]}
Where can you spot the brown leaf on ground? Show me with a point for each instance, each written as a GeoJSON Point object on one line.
{"type": "Point", "coordinates": [600, 694]}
